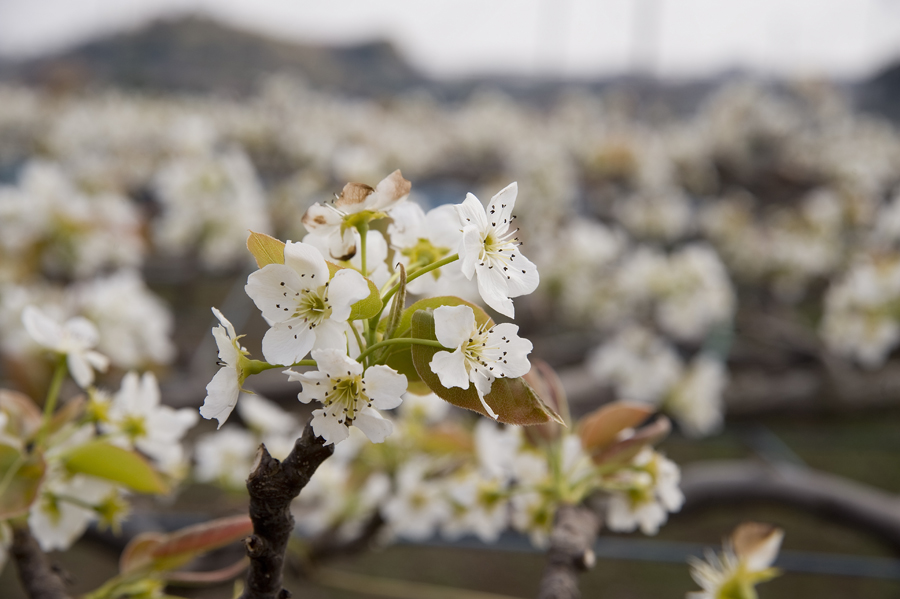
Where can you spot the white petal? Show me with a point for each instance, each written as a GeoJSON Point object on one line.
{"type": "Point", "coordinates": [521, 283]}
{"type": "Point", "coordinates": [307, 261]}
{"type": "Point", "coordinates": [314, 385]}
{"type": "Point", "coordinates": [493, 290]}
{"type": "Point", "coordinates": [82, 331]}
{"type": "Point", "coordinates": [221, 395]}
{"type": "Point", "coordinates": [272, 289]}
{"type": "Point", "coordinates": [229, 328]}
{"type": "Point", "coordinates": [149, 390]}
{"type": "Point", "coordinates": [331, 335]}
{"type": "Point", "coordinates": [286, 346]}
{"type": "Point", "coordinates": [471, 246]}
{"type": "Point", "coordinates": [227, 352]}
{"type": "Point", "coordinates": [335, 363]}
{"type": "Point", "coordinates": [484, 403]}
{"type": "Point", "coordinates": [41, 327]}
{"type": "Point", "coordinates": [391, 190]}
{"type": "Point", "coordinates": [328, 427]}
{"type": "Point", "coordinates": [502, 204]}
{"type": "Point", "coordinates": [471, 212]}
{"type": "Point", "coordinates": [453, 325]}
{"type": "Point", "coordinates": [384, 386]}
{"type": "Point", "coordinates": [320, 219]}
{"type": "Point", "coordinates": [97, 360]}
{"type": "Point", "coordinates": [375, 427]}
{"type": "Point", "coordinates": [81, 370]}
{"type": "Point", "coordinates": [450, 368]}
{"type": "Point", "coordinates": [515, 363]}
{"type": "Point", "coordinates": [346, 288]}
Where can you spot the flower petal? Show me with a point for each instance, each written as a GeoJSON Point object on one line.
{"type": "Point", "coordinates": [43, 329]}
{"type": "Point", "coordinates": [523, 276]}
{"type": "Point", "coordinates": [307, 261]}
{"type": "Point", "coordinates": [391, 190]}
{"type": "Point", "coordinates": [335, 363]}
{"type": "Point", "coordinates": [374, 425]}
{"type": "Point", "coordinates": [346, 288]}
{"type": "Point", "coordinates": [228, 353]}
{"type": "Point", "coordinates": [384, 386]}
{"type": "Point", "coordinates": [82, 331]}
{"type": "Point", "coordinates": [501, 205]}
{"type": "Point", "coordinates": [221, 395]}
{"type": "Point", "coordinates": [331, 335]}
{"type": "Point", "coordinates": [80, 368]}
{"type": "Point", "coordinates": [471, 212]}
{"type": "Point", "coordinates": [471, 246]}
{"type": "Point", "coordinates": [328, 427]}
{"type": "Point", "coordinates": [492, 288]}
{"type": "Point", "coordinates": [287, 343]}
{"type": "Point", "coordinates": [319, 218]}
{"type": "Point", "coordinates": [229, 328]}
{"type": "Point", "coordinates": [272, 289]}
{"type": "Point", "coordinates": [453, 324]}
{"type": "Point", "coordinates": [450, 368]}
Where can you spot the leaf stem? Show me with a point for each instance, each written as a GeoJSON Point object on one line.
{"type": "Point", "coordinates": [398, 340]}
{"type": "Point", "coordinates": [56, 382]}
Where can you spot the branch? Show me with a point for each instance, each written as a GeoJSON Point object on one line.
{"type": "Point", "coordinates": [272, 486]}
{"type": "Point", "coordinates": [574, 533]}
{"type": "Point", "coordinates": [828, 495]}
{"type": "Point", "coordinates": [38, 577]}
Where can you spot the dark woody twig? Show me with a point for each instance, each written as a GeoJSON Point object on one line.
{"type": "Point", "coordinates": [272, 486]}
{"type": "Point", "coordinates": [38, 577]}
{"type": "Point", "coordinates": [570, 553]}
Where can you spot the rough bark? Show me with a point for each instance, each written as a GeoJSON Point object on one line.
{"type": "Point", "coordinates": [39, 579]}
{"type": "Point", "coordinates": [272, 486]}
{"type": "Point", "coordinates": [570, 553]}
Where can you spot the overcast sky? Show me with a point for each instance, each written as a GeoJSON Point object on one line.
{"type": "Point", "coordinates": [837, 38]}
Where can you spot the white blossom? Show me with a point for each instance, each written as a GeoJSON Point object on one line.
{"type": "Point", "coordinates": [74, 339]}
{"type": "Point", "coordinates": [489, 251]}
{"type": "Point", "coordinates": [305, 310]}
{"type": "Point", "coordinates": [349, 396]}
{"type": "Point", "coordinates": [329, 221]}
{"type": "Point", "coordinates": [223, 390]}
{"type": "Point", "coordinates": [481, 354]}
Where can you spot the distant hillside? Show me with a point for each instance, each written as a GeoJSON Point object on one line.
{"type": "Point", "coordinates": [200, 55]}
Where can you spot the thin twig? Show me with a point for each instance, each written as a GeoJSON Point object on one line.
{"type": "Point", "coordinates": [272, 486]}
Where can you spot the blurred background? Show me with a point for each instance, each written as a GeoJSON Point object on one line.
{"type": "Point", "coordinates": [711, 192]}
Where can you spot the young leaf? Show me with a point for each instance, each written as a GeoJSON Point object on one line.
{"type": "Point", "coordinates": [158, 552]}
{"type": "Point", "coordinates": [20, 477]}
{"type": "Point", "coordinates": [266, 249]}
{"type": "Point", "coordinates": [514, 401]}
{"type": "Point", "coordinates": [364, 308]}
{"type": "Point", "coordinates": [600, 428]}
{"type": "Point", "coordinates": [119, 465]}
{"type": "Point", "coordinates": [23, 415]}
{"type": "Point", "coordinates": [622, 451]}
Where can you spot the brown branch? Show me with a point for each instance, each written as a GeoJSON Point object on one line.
{"type": "Point", "coordinates": [571, 551]}
{"type": "Point", "coordinates": [821, 493]}
{"type": "Point", "coordinates": [38, 577]}
{"type": "Point", "coordinates": [272, 486]}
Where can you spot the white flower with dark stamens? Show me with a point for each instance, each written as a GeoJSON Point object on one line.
{"type": "Point", "coordinates": [223, 390]}
{"type": "Point", "coordinates": [489, 251]}
{"type": "Point", "coordinates": [349, 397]}
{"type": "Point", "coordinates": [335, 222]}
{"type": "Point", "coordinates": [483, 353]}
{"type": "Point", "coordinates": [74, 339]}
{"type": "Point", "coordinates": [305, 310]}
{"type": "Point", "coordinates": [745, 562]}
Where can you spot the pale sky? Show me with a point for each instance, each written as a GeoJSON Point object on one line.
{"type": "Point", "coordinates": [837, 38]}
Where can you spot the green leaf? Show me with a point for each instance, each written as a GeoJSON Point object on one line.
{"type": "Point", "coordinates": [20, 478]}
{"type": "Point", "coordinates": [159, 552]}
{"type": "Point", "coordinates": [364, 308]}
{"type": "Point", "coordinates": [514, 401]}
{"type": "Point", "coordinates": [266, 249]}
{"type": "Point", "coordinates": [402, 330]}
{"type": "Point", "coordinates": [116, 464]}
